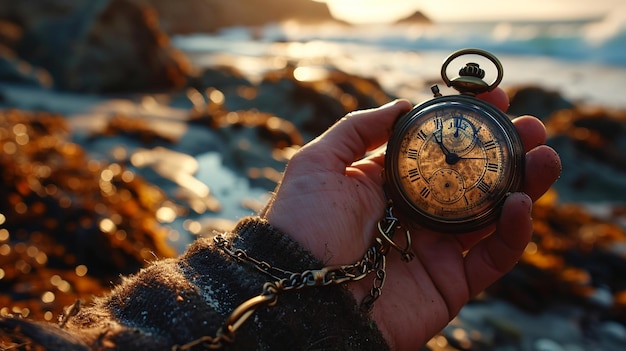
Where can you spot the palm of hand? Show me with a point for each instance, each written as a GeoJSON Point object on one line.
{"type": "Point", "coordinates": [335, 212]}
{"type": "Point", "coordinates": [331, 200]}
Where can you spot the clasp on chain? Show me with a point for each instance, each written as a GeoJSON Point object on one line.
{"type": "Point", "coordinates": [387, 227]}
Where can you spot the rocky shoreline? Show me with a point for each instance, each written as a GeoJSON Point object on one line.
{"type": "Point", "coordinates": [82, 150]}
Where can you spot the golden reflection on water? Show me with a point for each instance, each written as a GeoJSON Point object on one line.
{"type": "Point", "coordinates": [216, 96]}
{"type": "Point", "coordinates": [310, 74]}
{"type": "Point", "coordinates": [81, 270]}
{"type": "Point", "coordinates": [180, 169]}
{"type": "Point", "coordinates": [192, 226]}
{"type": "Point", "coordinates": [48, 297]}
{"type": "Point", "coordinates": [166, 214]}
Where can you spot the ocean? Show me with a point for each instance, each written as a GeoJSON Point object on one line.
{"type": "Point", "coordinates": [583, 59]}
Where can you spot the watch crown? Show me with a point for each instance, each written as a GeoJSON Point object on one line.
{"type": "Point", "coordinates": [470, 80]}
{"type": "Point", "coordinates": [472, 69]}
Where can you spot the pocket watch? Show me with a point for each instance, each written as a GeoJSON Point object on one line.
{"type": "Point", "coordinates": [451, 161]}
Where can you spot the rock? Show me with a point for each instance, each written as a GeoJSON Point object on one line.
{"type": "Point", "coordinates": [260, 125]}
{"type": "Point", "coordinates": [97, 45]}
{"type": "Point", "coordinates": [311, 105]}
{"type": "Point", "coordinates": [418, 17]}
{"type": "Point", "coordinates": [226, 79]}
{"type": "Point", "coordinates": [12, 68]}
{"type": "Point", "coordinates": [593, 154]}
{"type": "Point", "coordinates": [536, 101]}
{"type": "Point", "coordinates": [299, 102]}
{"type": "Point", "coordinates": [211, 15]}
{"type": "Point", "coordinates": [70, 225]}
{"type": "Point", "coordinates": [569, 262]}
{"type": "Point", "coordinates": [222, 78]}
{"type": "Point", "coordinates": [134, 127]}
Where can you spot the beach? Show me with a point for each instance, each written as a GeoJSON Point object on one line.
{"type": "Point", "coordinates": [196, 148]}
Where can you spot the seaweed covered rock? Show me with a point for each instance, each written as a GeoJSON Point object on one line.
{"type": "Point", "coordinates": [591, 144]}
{"type": "Point", "coordinates": [589, 140]}
{"type": "Point", "coordinates": [261, 124]}
{"type": "Point", "coordinates": [68, 225]}
{"type": "Point", "coordinates": [311, 97]}
{"type": "Point", "coordinates": [536, 101]}
{"type": "Point", "coordinates": [576, 258]}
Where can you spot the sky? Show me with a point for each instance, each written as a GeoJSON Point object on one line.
{"type": "Point", "coordinates": [373, 11]}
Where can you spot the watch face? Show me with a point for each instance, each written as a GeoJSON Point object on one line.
{"type": "Point", "coordinates": [452, 161]}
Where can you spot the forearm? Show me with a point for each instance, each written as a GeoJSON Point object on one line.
{"type": "Point", "coordinates": [177, 301]}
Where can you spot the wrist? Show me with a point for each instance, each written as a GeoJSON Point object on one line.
{"type": "Point", "coordinates": [305, 311]}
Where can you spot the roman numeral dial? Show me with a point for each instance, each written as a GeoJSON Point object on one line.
{"type": "Point", "coordinates": [450, 163]}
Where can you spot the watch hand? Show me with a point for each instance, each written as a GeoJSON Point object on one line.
{"type": "Point", "coordinates": [439, 142]}
{"type": "Point", "coordinates": [472, 158]}
{"type": "Point", "coordinates": [451, 157]}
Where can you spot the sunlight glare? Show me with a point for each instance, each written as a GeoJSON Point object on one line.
{"type": "Point", "coordinates": [371, 11]}
{"type": "Point", "coordinates": [381, 11]}
{"type": "Point", "coordinates": [310, 74]}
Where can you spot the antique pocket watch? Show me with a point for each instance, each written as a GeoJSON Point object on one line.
{"type": "Point", "coordinates": [451, 161]}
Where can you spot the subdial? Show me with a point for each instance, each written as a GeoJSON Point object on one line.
{"type": "Point", "coordinates": [447, 185]}
{"type": "Point", "coordinates": [458, 135]}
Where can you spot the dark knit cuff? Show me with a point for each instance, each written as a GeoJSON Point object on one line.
{"type": "Point", "coordinates": [310, 318]}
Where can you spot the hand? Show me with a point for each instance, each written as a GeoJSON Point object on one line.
{"type": "Point", "coordinates": [331, 199]}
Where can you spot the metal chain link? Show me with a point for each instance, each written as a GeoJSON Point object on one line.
{"type": "Point", "coordinates": [379, 279]}
{"type": "Point", "coordinates": [374, 260]}
{"type": "Point", "coordinates": [387, 227]}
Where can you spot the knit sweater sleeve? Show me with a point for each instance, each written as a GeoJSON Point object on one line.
{"type": "Point", "coordinates": [175, 301]}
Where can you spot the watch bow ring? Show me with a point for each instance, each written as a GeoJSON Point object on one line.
{"type": "Point", "coordinates": [451, 161]}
